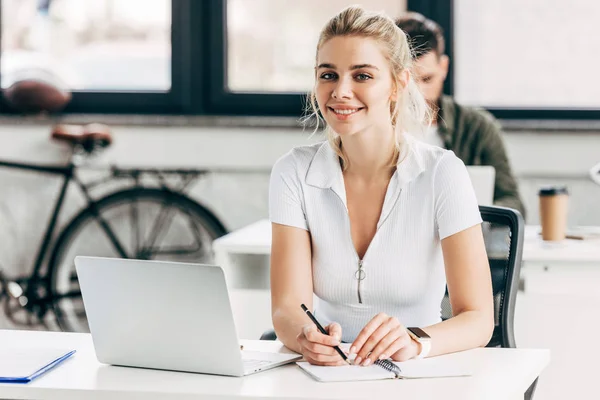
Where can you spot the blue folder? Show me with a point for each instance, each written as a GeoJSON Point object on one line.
{"type": "Point", "coordinates": [43, 365]}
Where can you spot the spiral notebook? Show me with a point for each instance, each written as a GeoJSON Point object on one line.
{"type": "Point", "coordinates": [435, 367]}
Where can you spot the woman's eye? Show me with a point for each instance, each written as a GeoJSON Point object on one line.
{"type": "Point", "coordinates": [328, 76]}
{"type": "Point", "coordinates": [363, 77]}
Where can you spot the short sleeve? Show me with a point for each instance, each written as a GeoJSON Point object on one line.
{"type": "Point", "coordinates": [456, 206]}
{"type": "Point", "coordinates": [286, 206]}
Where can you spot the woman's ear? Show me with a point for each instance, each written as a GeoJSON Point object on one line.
{"type": "Point", "coordinates": [404, 78]}
{"type": "Point", "coordinates": [400, 84]}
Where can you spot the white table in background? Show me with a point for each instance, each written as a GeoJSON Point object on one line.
{"type": "Point", "coordinates": [568, 267]}
{"type": "Point", "coordinates": [499, 374]}
{"type": "Point", "coordinates": [255, 239]}
{"type": "Point", "coordinates": [567, 252]}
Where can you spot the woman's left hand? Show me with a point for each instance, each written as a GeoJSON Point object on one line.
{"type": "Point", "coordinates": [383, 337]}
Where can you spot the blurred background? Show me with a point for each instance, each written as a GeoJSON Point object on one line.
{"type": "Point", "coordinates": [219, 86]}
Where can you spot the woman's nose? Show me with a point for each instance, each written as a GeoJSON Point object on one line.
{"type": "Point", "coordinates": [343, 89]}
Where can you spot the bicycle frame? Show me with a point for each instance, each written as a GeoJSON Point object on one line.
{"type": "Point", "coordinates": [32, 290]}
{"type": "Point", "coordinates": [67, 172]}
{"type": "Point", "coordinates": [28, 295]}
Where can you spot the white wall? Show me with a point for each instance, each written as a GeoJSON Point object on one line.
{"type": "Point", "coordinates": [239, 197]}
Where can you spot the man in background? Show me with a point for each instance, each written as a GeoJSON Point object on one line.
{"type": "Point", "coordinates": [474, 135]}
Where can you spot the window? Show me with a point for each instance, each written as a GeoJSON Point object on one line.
{"type": "Point", "coordinates": [89, 45]}
{"type": "Point", "coordinates": [526, 54]}
{"type": "Point", "coordinates": [271, 44]}
{"type": "Point", "coordinates": [255, 57]}
{"type": "Point", "coordinates": [115, 56]}
{"type": "Point", "coordinates": [262, 55]}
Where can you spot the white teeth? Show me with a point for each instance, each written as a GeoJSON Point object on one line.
{"type": "Point", "coordinates": [345, 112]}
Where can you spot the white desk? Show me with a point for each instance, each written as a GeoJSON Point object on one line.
{"type": "Point", "coordinates": [499, 374]}
{"type": "Point", "coordinates": [568, 252]}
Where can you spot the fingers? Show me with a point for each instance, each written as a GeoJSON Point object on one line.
{"type": "Point", "coordinates": [379, 337]}
{"type": "Point", "coordinates": [335, 330]}
{"type": "Point", "coordinates": [322, 359]}
{"type": "Point", "coordinates": [312, 361]}
{"type": "Point", "coordinates": [408, 351]}
{"type": "Point", "coordinates": [366, 333]}
{"type": "Point", "coordinates": [312, 334]}
{"type": "Point", "coordinates": [317, 348]}
{"type": "Point", "coordinates": [397, 340]}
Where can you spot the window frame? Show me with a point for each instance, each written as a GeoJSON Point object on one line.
{"type": "Point", "coordinates": [222, 101]}
{"type": "Point", "coordinates": [442, 11]}
{"type": "Point", "coordinates": [174, 101]}
{"type": "Point", "coordinates": [199, 74]}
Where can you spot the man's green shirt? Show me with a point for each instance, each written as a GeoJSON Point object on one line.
{"type": "Point", "coordinates": [475, 136]}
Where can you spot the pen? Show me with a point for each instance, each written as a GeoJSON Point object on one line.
{"type": "Point", "coordinates": [324, 332]}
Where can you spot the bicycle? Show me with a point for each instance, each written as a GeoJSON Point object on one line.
{"type": "Point", "coordinates": [142, 220]}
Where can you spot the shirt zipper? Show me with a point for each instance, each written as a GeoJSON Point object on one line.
{"type": "Point", "coordinates": [360, 278]}
{"type": "Point", "coordinates": [360, 273]}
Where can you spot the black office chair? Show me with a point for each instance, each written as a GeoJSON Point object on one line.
{"type": "Point", "coordinates": [503, 236]}
{"type": "Point", "coordinates": [503, 230]}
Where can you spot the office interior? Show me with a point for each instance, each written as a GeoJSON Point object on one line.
{"type": "Point", "coordinates": [219, 86]}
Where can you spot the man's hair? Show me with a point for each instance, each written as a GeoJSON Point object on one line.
{"type": "Point", "coordinates": [424, 35]}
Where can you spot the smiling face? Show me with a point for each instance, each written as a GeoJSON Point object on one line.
{"type": "Point", "coordinates": [354, 85]}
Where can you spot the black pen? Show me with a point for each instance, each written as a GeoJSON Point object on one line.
{"type": "Point", "coordinates": [324, 332]}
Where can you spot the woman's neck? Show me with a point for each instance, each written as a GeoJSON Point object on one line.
{"type": "Point", "coordinates": [370, 155]}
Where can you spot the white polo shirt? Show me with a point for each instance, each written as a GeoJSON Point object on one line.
{"type": "Point", "coordinates": [429, 198]}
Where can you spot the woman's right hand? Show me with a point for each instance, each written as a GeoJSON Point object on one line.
{"type": "Point", "coordinates": [317, 348]}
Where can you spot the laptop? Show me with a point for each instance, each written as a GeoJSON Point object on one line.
{"type": "Point", "coordinates": [165, 315]}
{"type": "Point", "coordinates": [483, 178]}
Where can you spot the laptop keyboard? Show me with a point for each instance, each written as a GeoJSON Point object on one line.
{"type": "Point", "coordinates": [253, 364]}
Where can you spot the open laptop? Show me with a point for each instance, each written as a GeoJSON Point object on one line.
{"type": "Point", "coordinates": [165, 315]}
{"type": "Point", "coordinates": [483, 178]}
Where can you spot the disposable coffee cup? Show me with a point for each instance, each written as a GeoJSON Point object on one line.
{"type": "Point", "coordinates": [554, 202]}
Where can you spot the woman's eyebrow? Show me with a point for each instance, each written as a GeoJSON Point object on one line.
{"type": "Point", "coordinates": [360, 66]}
{"type": "Point", "coordinates": [357, 66]}
{"type": "Point", "coordinates": [326, 65]}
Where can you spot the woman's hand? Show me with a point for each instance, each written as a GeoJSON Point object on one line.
{"type": "Point", "coordinates": [317, 348]}
{"type": "Point", "coordinates": [383, 337]}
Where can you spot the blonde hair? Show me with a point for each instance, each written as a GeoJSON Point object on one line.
{"type": "Point", "coordinates": [409, 112]}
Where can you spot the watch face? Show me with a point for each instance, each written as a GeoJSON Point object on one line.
{"type": "Point", "coordinates": [420, 333]}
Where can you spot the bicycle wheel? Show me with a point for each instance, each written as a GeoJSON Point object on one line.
{"type": "Point", "coordinates": [142, 223]}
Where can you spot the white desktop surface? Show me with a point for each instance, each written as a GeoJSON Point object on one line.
{"type": "Point", "coordinates": [566, 252]}
{"type": "Point", "coordinates": [500, 374]}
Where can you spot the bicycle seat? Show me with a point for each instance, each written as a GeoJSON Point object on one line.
{"type": "Point", "coordinates": [90, 136]}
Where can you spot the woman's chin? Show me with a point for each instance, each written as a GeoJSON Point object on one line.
{"type": "Point", "coordinates": [343, 128]}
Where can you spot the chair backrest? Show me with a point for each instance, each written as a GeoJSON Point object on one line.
{"type": "Point", "coordinates": [503, 235]}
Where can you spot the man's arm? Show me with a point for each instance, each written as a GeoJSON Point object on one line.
{"type": "Point", "coordinates": [493, 152]}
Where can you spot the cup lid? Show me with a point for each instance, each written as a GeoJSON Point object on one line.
{"type": "Point", "coordinates": [553, 190]}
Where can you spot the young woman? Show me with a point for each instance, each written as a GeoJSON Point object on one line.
{"type": "Point", "coordinates": [371, 222]}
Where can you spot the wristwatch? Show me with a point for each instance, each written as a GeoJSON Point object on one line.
{"type": "Point", "coordinates": [423, 338]}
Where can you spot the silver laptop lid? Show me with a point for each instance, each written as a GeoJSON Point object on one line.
{"type": "Point", "coordinates": [159, 314]}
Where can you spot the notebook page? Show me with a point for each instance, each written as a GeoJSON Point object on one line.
{"type": "Point", "coordinates": [23, 362]}
{"type": "Point", "coordinates": [435, 367]}
{"type": "Point", "coordinates": [346, 373]}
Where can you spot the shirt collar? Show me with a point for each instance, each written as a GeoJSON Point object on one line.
{"type": "Point", "coordinates": [325, 171]}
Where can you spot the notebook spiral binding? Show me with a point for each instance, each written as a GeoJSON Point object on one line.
{"type": "Point", "coordinates": [390, 366]}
